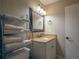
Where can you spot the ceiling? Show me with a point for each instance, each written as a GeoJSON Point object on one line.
{"type": "Point", "coordinates": [46, 2]}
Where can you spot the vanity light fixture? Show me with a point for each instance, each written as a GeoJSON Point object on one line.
{"type": "Point", "coordinates": [41, 11]}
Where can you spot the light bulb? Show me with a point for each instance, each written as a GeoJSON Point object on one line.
{"type": "Point", "coordinates": [41, 11]}
{"type": "Point", "coordinates": [38, 8]}
{"type": "Point", "coordinates": [44, 12]}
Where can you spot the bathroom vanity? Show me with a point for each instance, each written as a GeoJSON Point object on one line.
{"type": "Point", "coordinates": [44, 47]}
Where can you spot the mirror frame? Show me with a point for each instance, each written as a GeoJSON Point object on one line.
{"type": "Point", "coordinates": [31, 21]}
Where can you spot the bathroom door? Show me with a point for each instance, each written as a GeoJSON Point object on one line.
{"type": "Point", "coordinates": [72, 31]}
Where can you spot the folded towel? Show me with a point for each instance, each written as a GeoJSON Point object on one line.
{"type": "Point", "coordinates": [22, 53]}
{"type": "Point", "coordinates": [12, 40]}
{"type": "Point", "coordinates": [11, 31]}
{"type": "Point", "coordinates": [14, 46]}
{"type": "Point", "coordinates": [11, 27]}
{"type": "Point", "coordinates": [27, 42]}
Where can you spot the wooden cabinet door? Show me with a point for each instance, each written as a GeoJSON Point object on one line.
{"type": "Point", "coordinates": [38, 50]}
{"type": "Point", "coordinates": [51, 50]}
{"type": "Point", "coordinates": [44, 50]}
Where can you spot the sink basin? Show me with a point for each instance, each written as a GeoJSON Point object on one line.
{"type": "Point", "coordinates": [42, 39]}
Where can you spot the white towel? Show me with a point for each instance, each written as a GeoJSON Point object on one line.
{"type": "Point", "coordinates": [22, 53]}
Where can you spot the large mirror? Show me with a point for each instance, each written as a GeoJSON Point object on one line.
{"type": "Point", "coordinates": [36, 21]}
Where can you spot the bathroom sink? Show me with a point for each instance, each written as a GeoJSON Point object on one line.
{"type": "Point", "coordinates": [44, 39]}
{"type": "Point", "coordinates": [41, 39]}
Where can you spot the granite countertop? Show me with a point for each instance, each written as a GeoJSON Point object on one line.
{"type": "Point", "coordinates": [45, 38]}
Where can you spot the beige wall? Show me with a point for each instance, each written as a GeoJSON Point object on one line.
{"type": "Point", "coordinates": [18, 7]}
{"type": "Point", "coordinates": [0, 6]}
{"type": "Point", "coordinates": [57, 16]}
{"type": "Point", "coordinates": [58, 7]}
{"type": "Point", "coordinates": [56, 13]}
{"type": "Point", "coordinates": [57, 26]}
